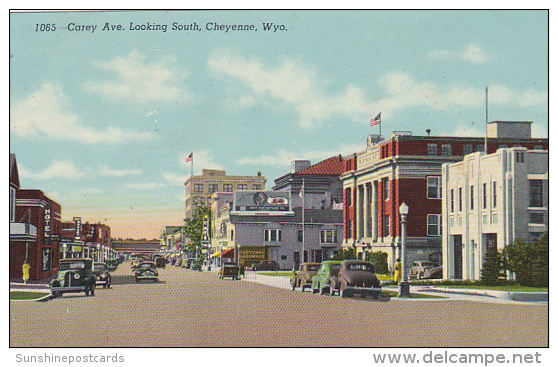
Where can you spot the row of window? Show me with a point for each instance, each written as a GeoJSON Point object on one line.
{"type": "Point", "coordinates": [433, 188]}
{"type": "Point", "coordinates": [214, 187]}
{"type": "Point", "coordinates": [276, 235]}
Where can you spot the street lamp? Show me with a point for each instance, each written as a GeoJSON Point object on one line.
{"type": "Point", "coordinates": [98, 252]}
{"type": "Point", "coordinates": [403, 285]}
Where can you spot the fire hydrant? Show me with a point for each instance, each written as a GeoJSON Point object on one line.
{"type": "Point", "coordinates": [25, 267]}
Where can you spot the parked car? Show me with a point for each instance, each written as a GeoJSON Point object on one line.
{"type": "Point", "coordinates": [303, 277]}
{"type": "Point", "coordinates": [434, 273]}
{"type": "Point", "coordinates": [229, 270]}
{"type": "Point", "coordinates": [356, 277]}
{"type": "Point", "coordinates": [265, 265]}
{"type": "Point", "coordinates": [196, 265]}
{"type": "Point", "coordinates": [419, 267]}
{"type": "Point", "coordinates": [75, 275]}
{"type": "Point", "coordinates": [112, 264]}
{"type": "Point", "coordinates": [147, 270]}
{"type": "Point", "coordinates": [322, 280]}
{"type": "Point", "coordinates": [101, 271]}
{"type": "Point", "coordinates": [160, 262]}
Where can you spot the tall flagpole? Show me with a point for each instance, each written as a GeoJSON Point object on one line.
{"type": "Point", "coordinates": [486, 123]}
{"type": "Point", "coordinates": [303, 234]}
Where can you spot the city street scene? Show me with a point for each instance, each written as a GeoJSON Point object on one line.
{"type": "Point", "coordinates": [279, 179]}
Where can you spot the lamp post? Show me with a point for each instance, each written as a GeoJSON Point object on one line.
{"type": "Point", "coordinates": [403, 285]}
{"type": "Point", "coordinates": [98, 252]}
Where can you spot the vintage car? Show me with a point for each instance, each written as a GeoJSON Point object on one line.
{"type": "Point", "coordinates": [434, 273]}
{"type": "Point", "coordinates": [196, 265]}
{"type": "Point", "coordinates": [229, 270]}
{"type": "Point", "coordinates": [112, 264]}
{"type": "Point", "coordinates": [147, 270]}
{"type": "Point", "coordinates": [75, 275]}
{"type": "Point", "coordinates": [419, 267]}
{"type": "Point", "coordinates": [101, 271]}
{"type": "Point", "coordinates": [160, 262]}
{"type": "Point", "coordinates": [322, 280]}
{"type": "Point", "coordinates": [265, 265]}
{"type": "Point", "coordinates": [303, 277]}
{"type": "Point", "coordinates": [356, 277]}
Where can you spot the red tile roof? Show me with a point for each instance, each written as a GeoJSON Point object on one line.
{"type": "Point", "coordinates": [333, 166]}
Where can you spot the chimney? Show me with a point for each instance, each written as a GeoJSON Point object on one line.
{"type": "Point", "coordinates": [297, 166]}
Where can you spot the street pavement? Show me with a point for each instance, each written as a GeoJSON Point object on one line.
{"type": "Point", "coordinates": [197, 309]}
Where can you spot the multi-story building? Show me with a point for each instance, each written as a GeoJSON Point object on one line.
{"type": "Point", "coordinates": [490, 201]}
{"type": "Point", "coordinates": [199, 189]}
{"type": "Point", "coordinates": [92, 240]}
{"type": "Point", "coordinates": [272, 225]}
{"type": "Point", "coordinates": [40, 246]}
{"type": "Point", "coordinates": [408, 169]}
{"type": "Point", "coordinates": [172, 238]}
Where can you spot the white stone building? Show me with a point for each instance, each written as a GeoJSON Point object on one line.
{"type": "Point", "coordinates": [491, 200]}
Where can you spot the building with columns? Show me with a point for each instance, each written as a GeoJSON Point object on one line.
{"type": "Point", "coordinates": [408, 169]}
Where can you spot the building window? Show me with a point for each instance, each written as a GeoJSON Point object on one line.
{"type": "Point", "coordinates": [538, 147]}
{"type": "Point", "coordinates": [434, 187]}
{"type": "Point", "coordinates": [12, 204]}
{"type": "Point", "coordinates": [227, 187]}
{"type": "Point", "coordinates": [432, 149]}
{"type": "Point", "coordinates": [452, 204]}
{"type": "Point", "coordinates": [484, 194]}
{"type": "Point", "coordinates": [386, 188]}
{"type": "Point", "coordinates": [300, 236]}
{"type": "Point", "coordinates": [242, 186]}
{"type": "Point", "coordinates": [198, 187]}
{"type": "Point", "coordinates": [536, 193]}
{"type": "Point", "coordinates": [452, 222]}
{"type": "Point", "coordinates": [387, 227]}
{"type": "Point", "coordinates": [434, 224]}
{"type": "Point", "coordinates": [479, 148]}
{"type": "Point", "coordinates": [467, 149]}
{"type": "Point", "coordinates": [47, 259]}
{"type": "Point", "coordinates": [272, 235]}
{"type": "Point", "coordinates": [485, 219]}
{"type": "Point", "coordinates": [328, 236]}
{"type": "Point", "coordinates": [536, 218]}
{"type": "Point", "coordinates": [472, 197]}
{"type": "Point", "coordinates": [460, 199]}
{"type": "Point", "coordinates": [519, 157]}
{"type": "Point", "coordinates": [256, 187]}
{"type": "Point", "coordinates": [446, 149]}
{"type": "Point", "coordinates": [494, 218]}
{"type": "Point", "coordinates": [494, 197]}
{"type": "Point", "coordinates": [232, 235]}
{"type": "Point", "coordinates": [213, 187]}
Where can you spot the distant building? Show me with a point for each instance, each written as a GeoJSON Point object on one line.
{"type": "Point", "coordinates": [91, 240]}
{"type": "Point", "coordinates": [199, 189]}
{"type": "Point", "coordinates": [407, 168]}
{"type": "Point", "coordinates": [172, 238]}
{"type": "Point", "coordinates": [131, 246]}
{"type": "Point", "coordinates": [490, 201]}
{"type": "Point", "coordinates": [268, 225]}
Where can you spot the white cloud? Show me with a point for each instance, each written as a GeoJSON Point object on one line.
{"type": "Point", "coordinates": [472, 53]}
{"type": "Point", "coordinates": [139, 80]}
{"type": "Point", "coordinates": [175, 179]}
{"type": "Point", "coordinates": [107, 171]}
{"type": "Point", "coordinates": [293, 84]}
{"type": "Point", "coordinates": [47, 113]}
{"type": "Point", "coordinates": [58, 169]}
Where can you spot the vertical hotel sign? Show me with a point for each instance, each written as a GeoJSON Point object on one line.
{"type": "Point", "coordinates": [48, 224]}
{"type": "Point", "coordinates": [77, 221]}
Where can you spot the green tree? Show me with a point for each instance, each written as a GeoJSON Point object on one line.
{"type": "Point", "coordinates": [492, 267]}
{"type": "Point", "coordinates": [346, 254]}
{"type": "Point", "coordinates": [529, 261]}
{"type": "Point", "coordinates": [379, 259]}
{"type": "Point", "coordinates": [540, 264]}
{"type": "Point", "coordinates": [194, 227]}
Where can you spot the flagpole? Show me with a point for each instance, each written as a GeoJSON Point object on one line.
{"type": "Point", "coordinates": [303, 234]}
{"type": "Point", "coordinates": [486, 123]}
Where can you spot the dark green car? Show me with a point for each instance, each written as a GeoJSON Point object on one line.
{"type": "Point", "coordinates": [322, 280]}
{"type": "Point", "coordinates": [75, 275]}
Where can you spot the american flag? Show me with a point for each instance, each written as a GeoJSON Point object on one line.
{"type": "Point", "coordinates": [189, 158]}
{"type": "Point", "coordinates": [376, 120]}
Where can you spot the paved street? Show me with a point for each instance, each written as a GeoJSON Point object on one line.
{"type": "Point", "coordinates": [188, 308]}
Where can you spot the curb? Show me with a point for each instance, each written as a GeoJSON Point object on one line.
{"type": "Point", "coordinates": [506, 295]}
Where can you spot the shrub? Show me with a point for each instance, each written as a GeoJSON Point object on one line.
{"type": "Point", "coordinates": [492, 268]}
{"type": "Point", "coordinates": [379, 259]}
{"type": "Point", "coordinates": [529, 261]}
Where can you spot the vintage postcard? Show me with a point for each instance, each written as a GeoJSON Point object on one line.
{"type": "Point", "coordinates": [301, 179]}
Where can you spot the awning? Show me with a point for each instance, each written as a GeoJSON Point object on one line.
{"type": "Point", "coordinates": [217, 254]}
{"type": "Point", "coordinates": [229, 253]}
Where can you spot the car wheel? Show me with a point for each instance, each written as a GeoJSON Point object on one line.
{"type": "Point", "coordinates": [109, 282]}
{"type": "Point", "coordinates": [87, 291]}
{"type": "Point", "coordinates": [293, 285]}
{"type": "Point", "coordinates": [56, 294]}
{"type": "Point", "coordinates": [344, 293]}
{"type": "Point", "coordinates": [331, 291]}
{"type": "Point", "coordinates": [322, 291]}
{"type": "Point", "coordinates": [93, 291]}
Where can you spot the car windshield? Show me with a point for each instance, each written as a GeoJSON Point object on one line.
{"type": "Point", "coordinates": [99, 267]}
{"type": "Point", "coordinates": [362, 267]}
{"type": "Point", "coordinates": [72, 265]}
{"type": "Point", "coordinates": [312, 267]}
{"type": "Point", "coordinates": [425, 263]}
{"type": "Point", "coordinates": [147, 266]}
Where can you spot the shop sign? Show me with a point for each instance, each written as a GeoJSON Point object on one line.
{"type": "Point", "coordinates": [262, 203]}
{"type": "Point", "coordinates": [77, 221]}
{"type": "Point", "coordinates": [252, 254]}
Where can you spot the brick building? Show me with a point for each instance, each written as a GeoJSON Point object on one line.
{"type": "Point", "coordinates": [407, 168]}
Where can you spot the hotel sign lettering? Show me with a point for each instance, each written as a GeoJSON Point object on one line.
{"type": "Point", "coordinates": [48, 224]}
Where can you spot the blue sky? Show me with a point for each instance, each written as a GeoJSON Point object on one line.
{"type": "Point", "coordinates": [102, 121]}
